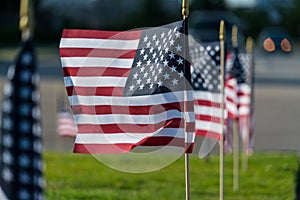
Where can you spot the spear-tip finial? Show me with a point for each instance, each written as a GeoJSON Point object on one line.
{"type": "Point", "coordinates": [249, 44]}
{"type": "Point", "coordinates": [234, 38]}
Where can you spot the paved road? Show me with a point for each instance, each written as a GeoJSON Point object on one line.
{"type": "Point", "coordinates": [277, 102]}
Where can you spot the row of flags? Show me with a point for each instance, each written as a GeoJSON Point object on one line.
{"type": "Point", "coordinates": [126, 89]}
{"type": "Point", "coordinates": [129, 89]}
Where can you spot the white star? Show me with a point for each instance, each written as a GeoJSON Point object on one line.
{"type": "Point", "coordinates": [7, 175]}
{"type": "Point", "coordinates": [24, 126]}
{"type": "Point", "coordinates": [37, 146]}
{"type": "Point", "coordinates": [142, 51]}
{"type": "Point", "coordinates": [160, 70]}
{"type": "Point", "coordinates": [166, 75]}
{"type": "Point", "coordinates": [170, 31]}
{"type": "Point", "coordinates": [180, 61]}
{"type": "Point", "coordinates": [154, 37]}
{"type": "Point", "coordinates": [24, 143]}
{"type": "Point", "coordinates": [142, 69]}
{"type": "Point", "coordinates": [7, 123]}
{"type": "Point", "coordinates": [148, 62]}
{"type": "Point", "coordinates": [142, 87]}
{"type": "Point", "coordinates": [145, 57]}
{"type": "Point", "coordinates": [24, 161]}
{"type": "Point", "coordinates": [160, 83]}
{"type": "Point", "coordinates": [178, 48]}
{"type": "Point", "coordinates": [24, 177]}
{"type": "Point", "coordinates": [166, 49]}
{"type": "Point", "coordinates": [139, 81]}
{"type": "Point", "coordinates": [146, 38]}
{"type": "Point", "coordinates": [25, 109]}
{"type": "Point", "coordinates": [138, 64]}
{"type": "Point", "coordinates": [175, 29]}
{"type": "Point", "coordinates": [181, 74]}
{"type": "Point", "coordinates": [151, 50]}
{"type": "Point", "coordinates": [131, 87]}
{"type": "Point", "coordinates": [157, 42]}
{"type": "Point", "coordinates": [151, 85]}
{"type": "Point", "coordinates": [146, 74]}
{"type": "Point", "coordinates": [154, 55]}
{"type": "Point", "coordinates": [7, 140]}
{"type": "Point", "coordinates": [172, 55]}
{"type": "Point", "coordinates": [7, 157]}
{"type": "Point", "coordinates": [173, 68]}
{"type": "Point", "coordinates": [135, 75]}
{"type": "Point", "coordinates": [165, 63]}
{"type": "Point", "coordinates": [149, 80]}
{"type": "Point", "coordinates": [172, 42]}
{"type": "Point", "coordinates": [175, 81]}
{"type": "Point", "coordinates": [25, 75]}
{"type": "Point", "coordinates": [7, 106]}
{"type": "Point", "coordinates": [177, 34]}
{"type": "Point", "coordinates": [148, 44]}
{"type": "Point", "coordinates": [24, 194]}
{"type": "Point", "coordinates": [162, 35]}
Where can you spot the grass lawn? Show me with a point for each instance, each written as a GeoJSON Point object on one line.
{"type": "Point", "coordinates": [82, 177]}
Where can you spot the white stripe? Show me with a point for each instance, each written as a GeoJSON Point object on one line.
{"type": "Point", "coordinates": [231, 107]}
{"type": "Point", "coordinates": [146, 100]}
{"type": "Point", "coordinates": [203, 95]}
{"type": "Point", "coordinates": [98, 43]}
{"type": "Point", "coordinates": [102, 81]}
{"type": "Point", "coordinates": [244, 100]}
{"type": "Point", "coordinates": [231, 94]}
{"type": "Point", "coordinates": [208, 126]}
{"type": "Point", "coordinates": [96, 62]}
{"type": "Point", "coordinates": [210, 111]}
{"type": "Point", "coordinates": [127, 118]}
{"type": "Point", "coordinates": [244, 110]}
{"type": "Point", "coordinates": [131, 138]}
{"type": "Point", "coordinates": [245, 88]}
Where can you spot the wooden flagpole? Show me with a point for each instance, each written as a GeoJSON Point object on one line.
{"type": "Point", "coordinates": [249, 50]}
{"type": "Point", "coordinates": [185, 13]}
{"type": "Point", "coordinates": [222, 66]}
{"type": "Point", "coordinates": [235, 128]}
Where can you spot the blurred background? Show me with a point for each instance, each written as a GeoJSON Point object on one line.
{"type": "Point", "coordinates": [277, 79]}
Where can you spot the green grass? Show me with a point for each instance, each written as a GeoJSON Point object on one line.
{"type": "Point", "coordinates": [82, 177]}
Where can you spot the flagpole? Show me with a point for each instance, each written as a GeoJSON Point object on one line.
{"type": "Point", "coordinates": [222, 66]}
{"type": "Point", "coordinates": [25, 23]}
{"type": "Point", "coordinates": [235, 128]}
{"type": "Point", "coordinates": [185, 13]}
{"type": "Point", "coordinates": [249, 50]}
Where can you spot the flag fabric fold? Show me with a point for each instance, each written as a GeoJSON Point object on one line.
{"type": "Point", "coordinates": [20, 134]}
{"type": "Point", "coordinates": [128, 89]}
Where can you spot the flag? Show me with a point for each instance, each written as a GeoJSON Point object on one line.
{"type": "Point", "coordinates": [237, 89]}
{"type": "Point", "coordinates": [207, 89]}
{"type": "Point", "coordinates": [65, 124]}
{"type": "Point", "coordinates": [128, 89]}
{"type": "Point", "coordinates": [20, 133]}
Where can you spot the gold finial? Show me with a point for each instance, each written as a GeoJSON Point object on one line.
{"type": "Point", "coordinates": [221, 36]}
{"type": "Point", "coordinates": [249, 44]}
{"type": "Point", "coordinates": [185, 8]}
{"type": "Point", "coordinates": [234, 36]}
{"type": "Point", "coordinates": [25, 18]}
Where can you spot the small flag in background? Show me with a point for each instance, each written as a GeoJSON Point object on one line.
{"type": "Point", "coordinates": [207, 87]}
{"type": "Point", "coordinates": [20, 132]}
{"type": "Point", "coordinates": [65, 124]}
{"type": "Point", "coordinates": [127, 89]}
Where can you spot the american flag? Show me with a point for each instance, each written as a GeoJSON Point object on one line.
{"type": "Point", "coordinates": [207, 87]}
{"type": "Point", "coordinates": [127, 89]}
{"type": "Point", "coordinates": [238, 91]}
{"type": "Point", "coordinates": [65, 124]}
{"type": "Point", "coordinates": [20, 131]}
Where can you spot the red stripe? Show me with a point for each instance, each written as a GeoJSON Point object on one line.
{"type": "Point", "coordinates": [128, 128]}
{"type": "Point", "coordinates": [133, 110]}
{"type": "Point", "coordinates": [93, 52]}
{"type": "Point", "coordinates": [208, 118]}
{"type": "Point", "coordinates": [97, 34]}
{"type": "Point", "coordinates": [201, 102]}
{"type": "Point", "coordinates": [95, 71]}
{"type": "Point", "coordinates": [209, 134]}
{"type": "Point", "coordinates": [98, 91]}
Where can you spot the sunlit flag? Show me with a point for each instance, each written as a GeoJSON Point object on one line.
{"type": "Point", "coordinates": [20, 145]}
{"type": "Point", "coordinates": [127, 89]}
